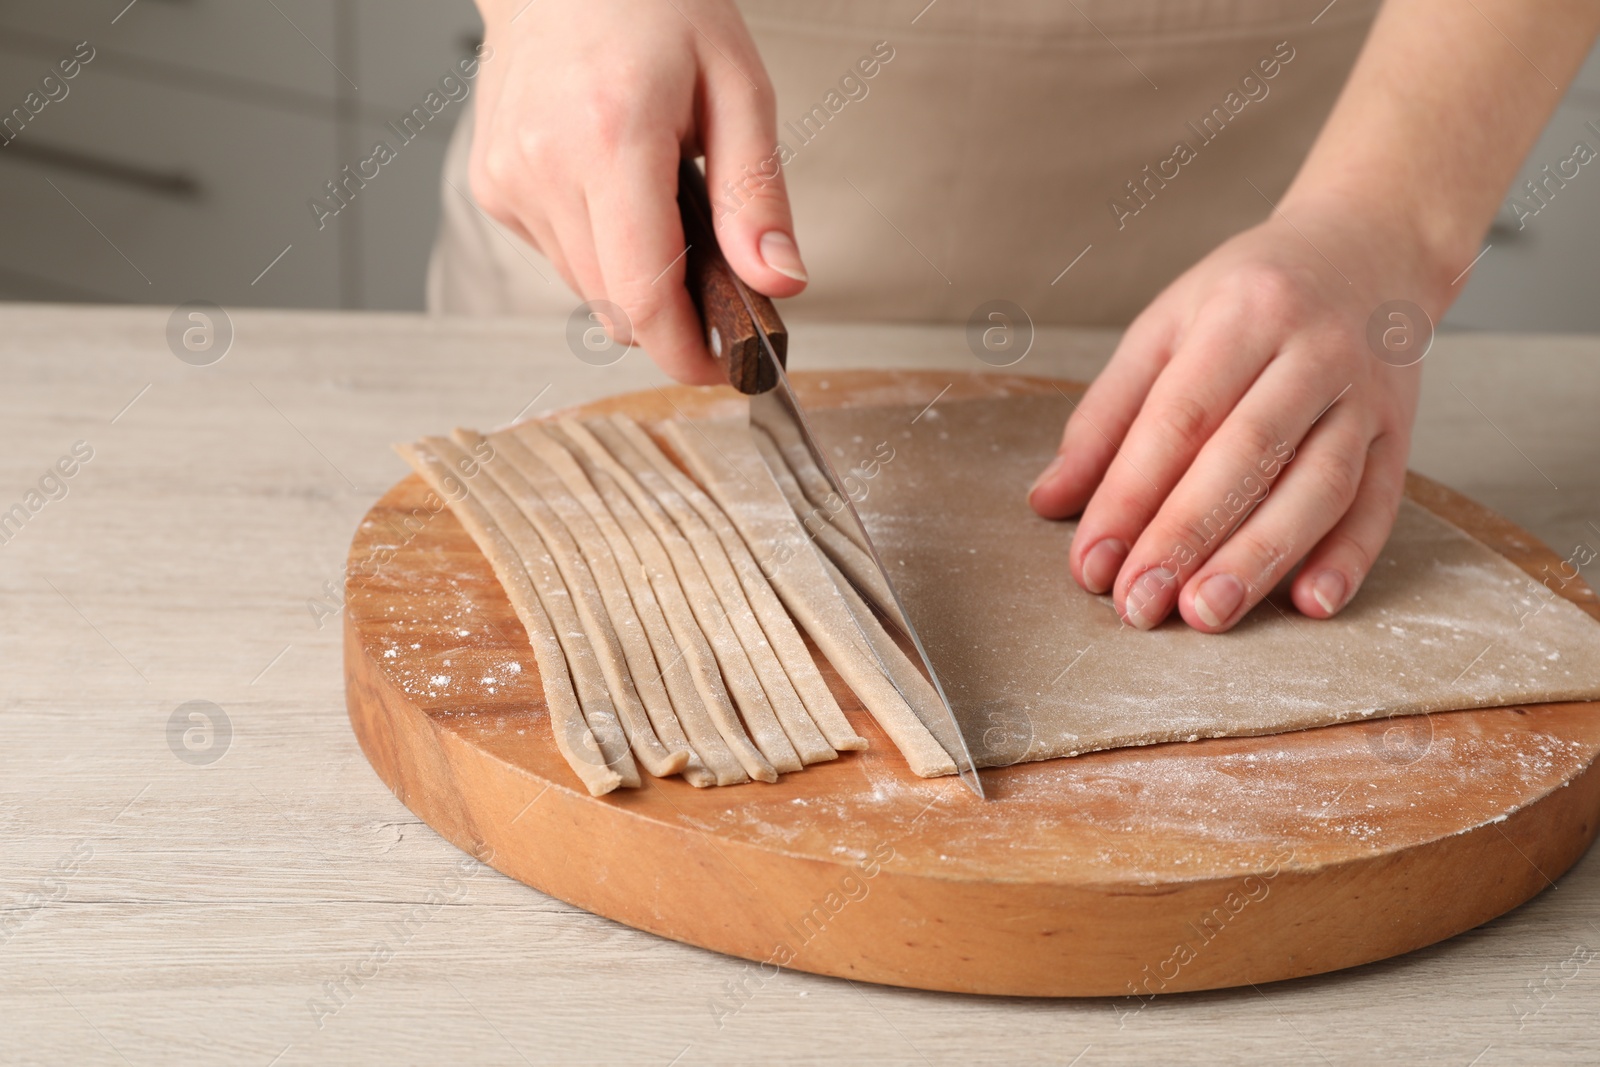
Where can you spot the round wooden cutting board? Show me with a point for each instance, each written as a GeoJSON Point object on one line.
{"type": "Point", "coordinates": [1144, 870]}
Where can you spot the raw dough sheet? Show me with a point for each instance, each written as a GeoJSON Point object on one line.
{"type": "Point", "coordinates": [658, 639]}
{"type": "Point", "coordinates": [1039, 668]}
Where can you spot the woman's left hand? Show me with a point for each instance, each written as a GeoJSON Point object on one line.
{"type": "Point", "coordinates": [1245, 425]}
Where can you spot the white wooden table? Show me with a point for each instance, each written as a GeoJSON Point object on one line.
{"type": "Point", "coordinates": [279, 905]}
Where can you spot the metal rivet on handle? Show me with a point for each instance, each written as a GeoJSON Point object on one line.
{"type": "Point", "coordinates": [716, 342]}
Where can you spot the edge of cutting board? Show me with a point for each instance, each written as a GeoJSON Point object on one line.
{"type": "Point", "coordinates": [1137, 871]}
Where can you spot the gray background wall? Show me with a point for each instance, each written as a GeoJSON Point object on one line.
{"type": "Point", "coordinates": [1546, 276]}
{"type": "Point", "coordinates": [180, 163]}
{"type": "Point", "coordinates": [195, 137]}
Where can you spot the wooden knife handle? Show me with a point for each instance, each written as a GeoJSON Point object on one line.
{"type": "Point", "coordinates": [731, 337]}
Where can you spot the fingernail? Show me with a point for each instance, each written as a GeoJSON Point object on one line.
{"type": "Point", "coordinates": [1217, 599]}
{"type": "Point", "coordinates": [1046, 474]}
{"type": "Point", "coordinates": [1102, 563]}
{"type": "Point", "coordinates": [1328, 590]}
{"type": "Point", "coordinates": [1149, 597]}
{"type": "Point", "coordinates": [778, 251]}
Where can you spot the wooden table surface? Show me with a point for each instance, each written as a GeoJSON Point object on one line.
{"type": "Point", "coordinates": [266, 900]}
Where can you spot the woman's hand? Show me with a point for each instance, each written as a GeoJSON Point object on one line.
{"type": "Point", "coordinates": [1244, 425]}
{"type": "Point", "coordinates": [584, 111]}
{"type": "Point", "coordinates": [1260, 352]}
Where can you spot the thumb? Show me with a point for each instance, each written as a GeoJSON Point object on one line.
{"type": "Point", "coordinates": [744, 174]}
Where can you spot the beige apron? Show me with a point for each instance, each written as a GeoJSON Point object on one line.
{"type": "Point", "coordinates": [1004, 150]}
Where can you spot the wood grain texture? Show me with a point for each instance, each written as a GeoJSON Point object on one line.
{"type": "Point", "coordinates": [221, 900]}
{"type": "Point", "coordinates": [1142, 871]}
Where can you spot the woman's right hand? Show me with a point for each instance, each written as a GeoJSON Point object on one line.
{"type": "Point", "coordinates": [584, 112]}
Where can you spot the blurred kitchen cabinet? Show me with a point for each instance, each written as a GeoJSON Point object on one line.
{"type": "Point", "coordinates": [181, 161]}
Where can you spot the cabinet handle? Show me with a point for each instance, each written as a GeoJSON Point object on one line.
{"type": "Point", "coordinates": [176, 184]}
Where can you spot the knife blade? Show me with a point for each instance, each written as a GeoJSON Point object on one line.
{"type": "Point", "coordinates": [750, 343]}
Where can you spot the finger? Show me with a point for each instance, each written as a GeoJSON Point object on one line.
{"type": "Point", "coordinates": [749, 202]}
{"type": "Point", "coordinates": [491, 174]}
{"type": "Point", "coordinates": [1190, 398]}
{"type": "Point", "coordinates": [551, 249]}
{"type": "Point", "coordinates": [1100, 420]}
{"type": "Point", "coordinates": [572, 234]}
{"type": "Point", "coordinates": [539, 235]}
{"type": "Point", "coordinates": [1313, 495]}
{"type": "Point", "coordinates": [1230, 476]}
{"type": "Point", "coordinates": [638, 236]}
{"type": "Point", "coordinates": [1340, 562]}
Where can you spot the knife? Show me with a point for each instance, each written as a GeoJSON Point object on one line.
{"type": "Point", "coordinates": [750, 343]}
